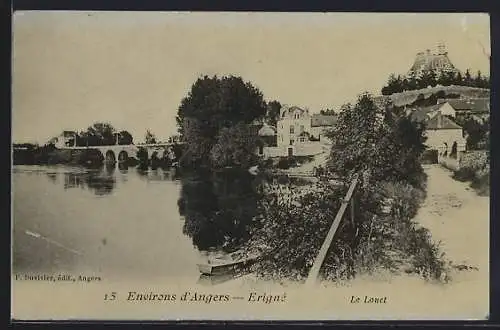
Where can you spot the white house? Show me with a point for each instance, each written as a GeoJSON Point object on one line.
{"type": "Point", "coordinates": [298, 133]}
{"type": "Point", "coordinates": [442, 133]}
{"type": "Point", "coordinates": [65, 139]}
{"type": "Point", "coordinates": [292, 124]}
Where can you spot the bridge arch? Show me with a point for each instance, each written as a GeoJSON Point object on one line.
{"type": "Point", "coordinates": [110, 157]}
{"type": "Point", "coordinates": [123, 156]}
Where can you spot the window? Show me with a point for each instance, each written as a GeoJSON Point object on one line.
{"type": "Point", "coordinates": [292, 129]}
{"type": "Point", "coordinates": [302, 139]}
{"type": "Point", "coordinates": [301, 128]}
{"type": "Point", "coordinates": [292, 141]}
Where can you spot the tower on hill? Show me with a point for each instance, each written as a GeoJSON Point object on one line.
{"type": "Point", "coordinates": [433, 61]}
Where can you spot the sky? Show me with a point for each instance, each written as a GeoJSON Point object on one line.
{"type": "Point", "coordinates": [132, 69]}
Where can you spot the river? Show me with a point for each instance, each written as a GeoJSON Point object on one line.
{"type": "Point", "coordinates": [125, 223]}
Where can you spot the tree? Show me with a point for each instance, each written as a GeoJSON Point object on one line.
{"type": "Point", "coordinates": [98, 134]}
{"type": "Point", "coordinates": [372, 139]}
{"type": "Point", "coordinates": [478, 80]}
{"type": "Point", "coordinates": [475, 132]}
{"type": "Point", "coordinates": [124, 138]}
{"type": "Point", "coordinates": [149, 138]}
{"type": "Point", "coordinates": [458, 79]}
{"type": "Point", "coordinates": [428, 78]}
{"type": "Point", "coordinates": [214, 103]}
{"type": "Point", "coordinates": [273, 112]}
{"type": "Point", "coordinates": [394, 85]}
{"type": "Point", "coordinates": [327, 112]}
{"type": "Point", "coordinates": [467, 78]}
{"type": "Point", "coordinates": [235, 146]}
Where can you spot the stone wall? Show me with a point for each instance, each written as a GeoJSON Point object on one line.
{"type": "Point", "coordinates": [299, 149]}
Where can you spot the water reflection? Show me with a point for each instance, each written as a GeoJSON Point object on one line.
{"type": "Point", "coordinates": [100, 182]}
{"type": "Point", "coordinates": [157, 174]}
{"type": "Point", "coordinates": [123, 168]}
{"type": "Point", "coordinates": [218, 208]}
{"type": "Point", "coordinates": [52, 177]}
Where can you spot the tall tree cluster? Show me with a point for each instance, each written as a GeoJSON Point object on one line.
{"type": "Point", "coordinates": [373, 139]}
{"type": "Point", "coordinates": [100, 134]}
{"type": "Point", "coordinates": [215, 110]}
{"type": "Point", "coordinates": [412, 81]}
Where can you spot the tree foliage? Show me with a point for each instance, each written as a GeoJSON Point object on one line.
{"type": "Point", "coordinates": [235, 146]}
{"type": "Point", "coordinates": [98, 134]}
{"type": "Point", "coordinates": [149, 137]}
{"type": "Point", "coordinates": [372, 139]}
{"type": "Point", "coordinates": [327, 112]}
{"type": "Point", "coordinates": [398, 84]}
{"type": "Point", "coordinates": [212, 104]}
{"type": "Point", "coordinates": [273, 112]}
{"type": "Point", "coordinates": [477, 132]}
{"type": "Point", "coordinates": [125, 138]}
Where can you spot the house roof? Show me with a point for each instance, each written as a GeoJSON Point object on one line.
{"type": "Point", "coordinates": [287, 110]}
{"type": "Point", "coordinates": [473, 105]}
{"type": "Point", "coordinates": [424, 113]}
{"type": "Point", "coordinates": [323, 120]}
{"type": "Point", "coordinates": [441, 122]}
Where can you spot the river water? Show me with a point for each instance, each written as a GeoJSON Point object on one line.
{"type": "Point", "coordinates": [125, 222]}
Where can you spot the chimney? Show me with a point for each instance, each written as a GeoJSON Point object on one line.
{"type": "Point", "coordinates": [439, 120]}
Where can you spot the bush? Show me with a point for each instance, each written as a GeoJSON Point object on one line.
{"type": "Point", "coordinates": [395, 241]}
{"type": "Point", "coordinates": [475, 168]}
{"type": "Point", "coordinates": [464, 174]}
{"type": "Point", "coordinates": [283, 163]}
{"type": "Point", "coordinates": [289, 229]}
{"type": "Point", "coordinates": [481, 184]}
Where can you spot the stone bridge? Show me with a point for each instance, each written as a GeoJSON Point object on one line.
{"type": "Point", "coordinates": [121, 153]}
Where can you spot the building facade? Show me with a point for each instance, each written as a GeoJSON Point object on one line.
{"type": "Point", "coordinates": [66, 139]}
{"type": "Point", "coordinates": [442, 133]}
{"type": "Point", "coordinates": [292, 126]}
{"type": "Point", "coordinates": [478, 108]}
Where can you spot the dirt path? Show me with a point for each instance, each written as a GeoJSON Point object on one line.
{"type": "Point", "coordinates": [459, 218]}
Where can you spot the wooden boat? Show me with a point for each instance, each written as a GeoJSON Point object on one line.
{"type": "Point", "coordinates": [228, 263]}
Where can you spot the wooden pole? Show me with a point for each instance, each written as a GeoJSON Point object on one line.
{"type": "Point", "coordinates": [318, 262]}
{"type": "Point", "coordinates": [352, 208]}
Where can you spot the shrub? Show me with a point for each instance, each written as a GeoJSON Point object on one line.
{"type": "Point", "coordinates": [396, 241]}
{"type": "Point", "coordinates": [290, 227]}
{"type": "Point", "coordinates": [475, 168]}
{"type": "Point", "coordinates": [283, 163]}
{"type": "Point", "coordinates": [142, 156]}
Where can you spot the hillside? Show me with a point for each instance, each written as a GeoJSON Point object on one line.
{"type": "Point", "coordinates": [410, 97]}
